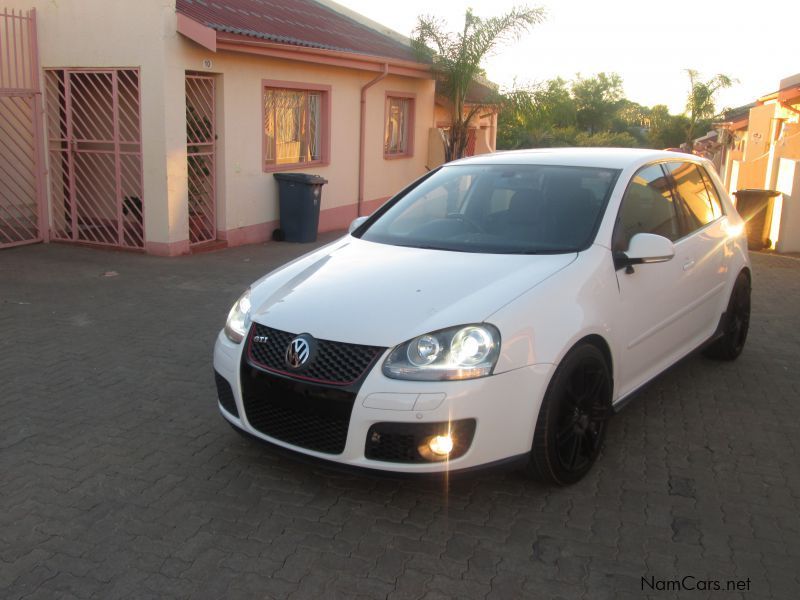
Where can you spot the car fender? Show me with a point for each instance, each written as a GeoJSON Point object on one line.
{"type": "Point", "coordinates": [542, 325]}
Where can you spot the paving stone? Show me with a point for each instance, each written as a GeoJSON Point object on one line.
{"type": "Point", "coordinates": [120, 479]}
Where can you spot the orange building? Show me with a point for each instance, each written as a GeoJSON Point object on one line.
{"type": "Point", "coordinates": [163, 121]}
{"type": "Point", "coordinates": [761, 150]}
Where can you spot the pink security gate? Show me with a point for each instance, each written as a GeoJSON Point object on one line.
{"type": "Point", "coordinates": [201, 158]}
{"type": "Point", "coordinates": [95, 145]}
{"type": "Point", "coordinates": [22, 212]}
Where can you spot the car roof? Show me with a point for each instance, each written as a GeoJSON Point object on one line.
{"type": "Point", "coordinates": [609, 158]}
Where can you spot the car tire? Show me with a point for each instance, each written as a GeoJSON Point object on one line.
{"type": "Point", "coordinates": [572, 419]}
{"type": "Point", "coordinates": [737, 322]}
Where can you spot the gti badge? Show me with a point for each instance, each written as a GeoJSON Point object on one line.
{"type": "Point", "coordinates": [260, 339]}
{"type": "Point", "coordinates": [298, 352]}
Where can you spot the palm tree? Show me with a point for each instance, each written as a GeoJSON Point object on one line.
{"type": "Point", "coordinates": [700, 101]}
{"type": "Point", "coordinates": [456, 61]}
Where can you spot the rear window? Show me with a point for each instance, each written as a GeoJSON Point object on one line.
{"type": "Point", "coordinates": [699, 207]}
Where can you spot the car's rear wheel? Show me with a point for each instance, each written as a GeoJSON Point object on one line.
{"type": "Point", "coordinates": [737, 322]}
{"type": "Point", "coordinates": [572, 420]}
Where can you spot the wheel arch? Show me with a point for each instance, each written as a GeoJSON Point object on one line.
{"type": "Point", "coordinates": [601, 344]}
{"type": "Point", "coordinates": [746, 271]}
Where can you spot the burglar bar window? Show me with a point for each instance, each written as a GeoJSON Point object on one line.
{"type": "Point", "coordinates": [399, 127]}
{"type": "Point", "coordinates": [293, 126]}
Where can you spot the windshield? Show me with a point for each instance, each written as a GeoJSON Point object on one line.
{"type": "Point", "coordinates": [501, 209]}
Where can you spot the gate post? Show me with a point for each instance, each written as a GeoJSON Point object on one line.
{"type": "Point", "coordinates": [38, 128]}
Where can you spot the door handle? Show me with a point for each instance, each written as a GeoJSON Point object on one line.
{"type": "Point", "coordinates": [688, 264]}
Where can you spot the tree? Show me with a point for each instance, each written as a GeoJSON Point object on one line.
{"type": "Point", "coordinates": [456, 61]}
{"type": "Point", "coordinates": [586, 112]}
{"type": "Point", "coordinates": [516, 118]}
{"type": "Point", "coordinates": [700, 101]}
{"type": "Point", "coordinates": [554, 104]}
{"type": "Point", "coordinates": [528, 115]}
{"type": "Point", "coordinates": [666, 130]}
{"type": "Point", "coordinates": [597, 100]}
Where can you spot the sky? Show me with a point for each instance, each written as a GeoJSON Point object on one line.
{"type": "Point", "coordinates": [649, 44]}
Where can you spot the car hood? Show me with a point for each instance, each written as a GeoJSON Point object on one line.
{"type": "Point", "coordinates": [377, 294]}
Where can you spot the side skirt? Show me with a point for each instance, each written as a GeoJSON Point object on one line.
{"type": "Point", "coordinates": [718, 333]}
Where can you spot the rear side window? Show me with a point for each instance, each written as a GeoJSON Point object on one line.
{"type": "Point", "coordinates": [713, 197]}
{"type": "Point", "coordinates": [647, 207]}
{"type": "Point", "coordinates": [698, 208]}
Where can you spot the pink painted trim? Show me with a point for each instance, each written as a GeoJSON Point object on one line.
{"type": "Point", "coordinates": [412, 110]}
{"type": "Point", "coordinates": [117, 162]}
{"type": "Point", "coordinates": [330, 219]}
{"type": "Point", "coordinates": [38, 136]}
{"type": "Point", "coordinates": [89, 205]}
{"type": "Point", "coordinates": [197, 32]}
{"type": "Point", "coordinates": [200, 91]}
{"type": "Point", "coordinates": [340, 217]}
{"type": "Point", "coordinates": [250, 234]}
{"type": "Point", "coordinates": [294, 166]}
{"type": "Point", "coordinates": [371, 206]}
{"type": "Point", "coordinates": [325, 141]}
{"type": "Point", "coordinates": [364, 62]}
{"type": "Point", "coordinates": [167, 248]}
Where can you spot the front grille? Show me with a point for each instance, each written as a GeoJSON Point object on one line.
{"type": "Point", "coordinates": [334, 363]}
{"type": "Point", "coordinates": [401, 442]}
{"type": "Point", "coordinates": [302, 414]}
{"type": "Point", "coordinates": [225, 394]}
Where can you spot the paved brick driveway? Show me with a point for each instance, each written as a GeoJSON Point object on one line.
{"type": "Point", "coordinates": [119, 479]}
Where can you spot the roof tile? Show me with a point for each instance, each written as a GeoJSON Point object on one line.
{"type": "Point", "coordinates": [295, 22]}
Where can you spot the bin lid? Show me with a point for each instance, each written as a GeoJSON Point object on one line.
{"type": "Point", "coordinates": [307, 178]}
{"type": "Point", "coordinates": [757, 193]}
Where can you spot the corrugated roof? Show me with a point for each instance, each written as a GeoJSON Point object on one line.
{"type": "Point", "coordinates": [297, 23]}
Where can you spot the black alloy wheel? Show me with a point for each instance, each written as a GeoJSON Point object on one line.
{"type": "Point", "coordinates": [737, 323]}
{"type": "Point", "coordinates": [572, 420]}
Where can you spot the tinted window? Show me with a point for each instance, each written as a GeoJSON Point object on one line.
{"type": "Point", "coordinates": [647, 207]}
{"type": "Point", "coordinates": [716, 203]}
{"type": "Point", "coordinates": [502, 209]}
{"type": "Point", "coordinates": [697, 208]}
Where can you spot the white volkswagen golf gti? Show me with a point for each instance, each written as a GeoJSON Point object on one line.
{"type": "Point", "coordinates": [500, 308]}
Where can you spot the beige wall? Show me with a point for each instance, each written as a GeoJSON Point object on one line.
{"type": "Point", "coordinates": [247, 196]}
{"type": "Point", "coordinates": [788, 183]}
{"type": "Point", "coordinates": [768, 159]}
{"type": "Point", "coordinates": [121, 33]}
{"type": "Point", "coordinates": [117, 33]}
{"type": "Point", "coordinates": [758, 132]}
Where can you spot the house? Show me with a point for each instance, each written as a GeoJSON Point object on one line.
{"type": "Point", "coordinates": [762, 151]}
{"type": "Point", "coordinates": [163, 121]}
{"type": "Point", "coordinates": [482, 133]}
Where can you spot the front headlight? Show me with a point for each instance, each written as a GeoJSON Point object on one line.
{"type": "Point", "coordinates": [239, 319]}
{"type": "Point", "coordinates": [464, 352]}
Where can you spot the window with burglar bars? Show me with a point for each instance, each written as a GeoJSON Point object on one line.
{"type": "Point", "coordinates": [294, 126]}
{"type": "Point", "coordinates": [398, 139]}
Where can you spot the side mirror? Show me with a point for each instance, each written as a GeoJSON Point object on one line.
{"type": "Point", "coordinates": [644, 248]}
{"type": "Point", "coordinates": [356, 224]}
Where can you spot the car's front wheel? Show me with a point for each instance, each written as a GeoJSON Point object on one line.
{"type": "Point", "coordinates": [572, 420]}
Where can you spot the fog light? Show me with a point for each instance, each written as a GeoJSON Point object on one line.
{"type": "Point", "coordinates": [441, 445]}
{"type": "Point", "coordinates": [419, 442]}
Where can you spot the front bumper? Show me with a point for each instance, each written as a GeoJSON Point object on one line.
{"type": "Point", "coordinates": [504, 408]}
